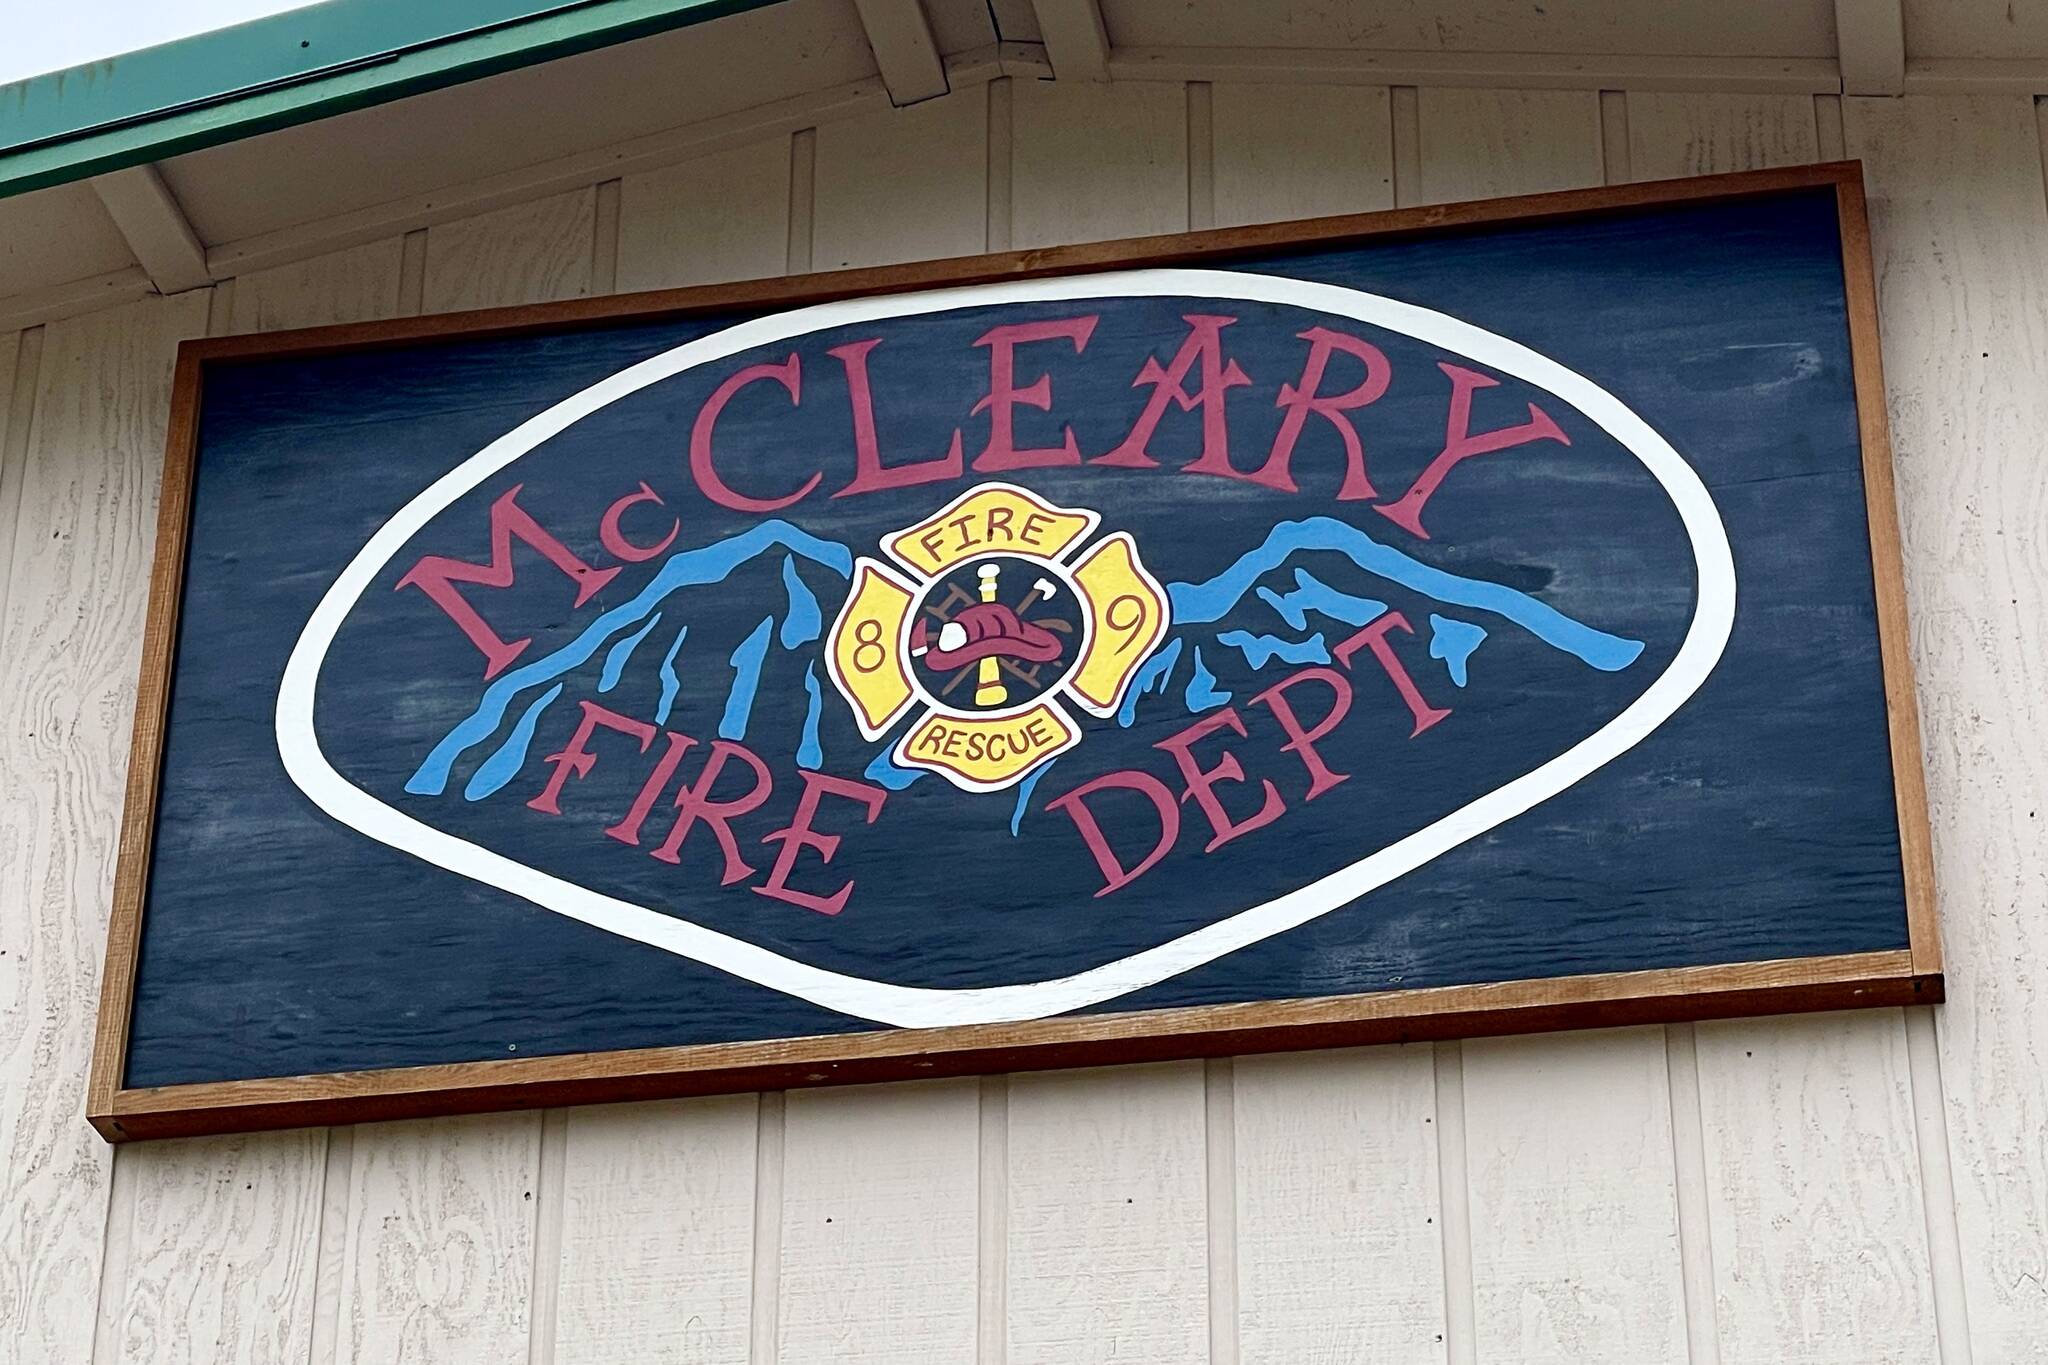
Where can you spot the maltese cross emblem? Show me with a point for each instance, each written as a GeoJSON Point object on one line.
{"type": "Point", "coordinates": [991, 618]}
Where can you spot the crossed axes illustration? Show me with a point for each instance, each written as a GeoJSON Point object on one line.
{"type": "Point", "coordinates": [989, 689]}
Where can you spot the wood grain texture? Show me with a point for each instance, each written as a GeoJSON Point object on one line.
{"type": "Point", "coordinates": [1574, 1220]}
{"type": "Point", "coordinates": [1095, 161]}
{"type": "Point", "coordinates": [720, 217]}
{"type": "Point", "coordinates": [69, 639]}
{"type": "Point", "coordinates": [1338, 1240]}
{"type": "Point", "coordinates": [1335, 1237]}
{"type": "Point", "coordinates": [1300, 151]}
{"type": "Point", "coordinates": [440, 1249]}
{"type": "Point", "coordinates": [1814, 1195]}
{"type": "Point", "coordinates": [221, 1238]}
{"type": "Point", "coordinates": [878, 1228]}
{"type": "Point", "coordinates": [1513, 1007]}
{"type": "Point", "coordinates": [1571, 1176]}
{"type": "Point", "coordinates": [1505, 1007]}
{"type": "Point", "coordinates": [1221, 244]}
{"type": "Point", "coordinates": [657, 1233]}
{"type": "Point", "coordinates": [1107, 1228]}
{"type": "Point", "coordinates": [438, 1260]}
{"type": "Point", "coordinates": [1476, 144]}
{"type": "Point", "coordinates": [658, 1236]}
{"type": "Point", "coordinates": [903, 184]}
{"type": "Point", "coordinates": [1673, 135]}
{"type": "Point", "coordinates": [523, 254]}
{"type": "Point", "coordinates": [222, 1235]}
{"type": "Point", "coordinates": [348, 286]}
{"type": "Point", "coordinates": [1961, 237]}
{"type": "Point", "coordinates": [1887, 560]}
{"type": "Point", "coordinates": [1962, 246]}
{"type": "Point", "coordinates": [20, 358]}
{"type": "Point", "coordinates": [1806, 1125]}
{"type": "Point", "coordinates": [1975, 28]}
{"type": "Point", "coordinates": [1801, 27]}
{"type": "Point", "coordinates": [879, 1224]}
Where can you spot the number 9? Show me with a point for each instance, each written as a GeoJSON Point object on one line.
{"type": "Point", "coordinates": [1133, 622]}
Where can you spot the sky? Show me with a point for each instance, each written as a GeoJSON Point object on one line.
{"type": "Point", "coordinates": [42, 36]}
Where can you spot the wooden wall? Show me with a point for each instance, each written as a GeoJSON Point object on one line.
{"type": "Point", "coordinates": [1848, 1189]}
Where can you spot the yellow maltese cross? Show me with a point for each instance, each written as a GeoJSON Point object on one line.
{"type": "Point", "coordinates": [992, 623]}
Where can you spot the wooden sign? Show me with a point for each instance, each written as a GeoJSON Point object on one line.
{"type": "Point", "coordinates": [1446, 621]}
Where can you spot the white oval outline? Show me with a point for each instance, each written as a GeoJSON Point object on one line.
{"type": "Point", "coordinates": [929, 1007]}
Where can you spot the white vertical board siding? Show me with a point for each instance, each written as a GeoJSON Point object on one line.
{"type": "Point", "coordinates": [1814, 1234]}
{"type": "Point", "coordinates": [439, 1252]}
{"type": "Point", "coordinates": [1338, 1238]}
{"type": "Point", "coordinates": [1573, 1216]}
{"type": "Point", "coordinates": [1477, 144]}
{"type": "Point", "coordinates": [1819, 1248]}
{"type": "Point", "coordinates": [677, 1226]}
{"type": "Point", "coordinates": [522, 254]}
{"type": "Point", "coordinates": [659, 1251]}
{"type": "Point", "coordinates": [903, 184]}
{"type": "Point", "coordinates": [217, 1242]}
{"type": "Point", "coordinates": [1961, 237]}
{"type": "Point", "coordinates": [219, 1237]}
{"type": "Point", "coordinates": [657, 1233]}
{"type": "Point", "coordinates": [1107, 1226]}
{"type": "Point", "coordinates": [346, 286]}
{"type": "Point", "coordinates": [1300, 151]}
{"type": "Point", "coordinates": [720, 217]}
{"type": "Point", "coordinates": [879, 1224]}
{"type": "Point", "coordinates": [1106, 1205]}
{"type": "Point", "coordinates": [70, 642]}
{"type": "Point", "coordinates": [1674, 135]}
{"type": "Point", "coordinates": [20, 358]}
{"type": "Point", "coordinates": [1091, 162]}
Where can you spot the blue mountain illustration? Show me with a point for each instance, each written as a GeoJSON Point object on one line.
{"type": "Point", "coordinates": [1304, 597]}
{"type": "Point", "coordinates": [651, 631]}
{"type": "Point", "coordinates": [635, 629]}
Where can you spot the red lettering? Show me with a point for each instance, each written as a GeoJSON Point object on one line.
{"type": "Point", "coordinates": [437, 575]}
{"type": "Point", "coordinates": [1003, 395]}
{"type": "Point", "coordinates": [1461, 445]}
{"type": "Point", "coordinates": [578, 760]}
{"type": "Point", "coordinates": [1202, 782]}
{"type": "Point", "coordinates": [1204, 345]}
{"type": "Point", "coordinates": [1374, 637]}
{"type": "Point", "coordinates": [800, 835]}
{"type": "Point", "coordinates": [1307, 398]}
{"type": "Point", "coordinates": [615, 539]}
{"type": "Point", "coordinates": [627, 831]}
{"type": "Point", "coordinates": [1303, 742]}
{"type": "Point", "coordinates": [789, 374]}
{"type": "Point", "coordinates": [695, 803]}
{"type": "Point", "coordinates": [1114, 874]}
{"type": "Point", "coordinates": [869, 472]}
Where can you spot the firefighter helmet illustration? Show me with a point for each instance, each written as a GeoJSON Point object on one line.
{"type": "Point", "coordinates": [1000, 618]}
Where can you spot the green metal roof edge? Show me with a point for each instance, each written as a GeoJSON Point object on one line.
{"type": "Point", "coordinates": [294, 68]}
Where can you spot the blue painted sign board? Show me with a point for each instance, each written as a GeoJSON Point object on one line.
{"type": "Point", "coordinates": [1331, 626]}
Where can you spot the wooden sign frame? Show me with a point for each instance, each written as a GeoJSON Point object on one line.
{"type": "Point", "coordinates": [1910, 976]}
